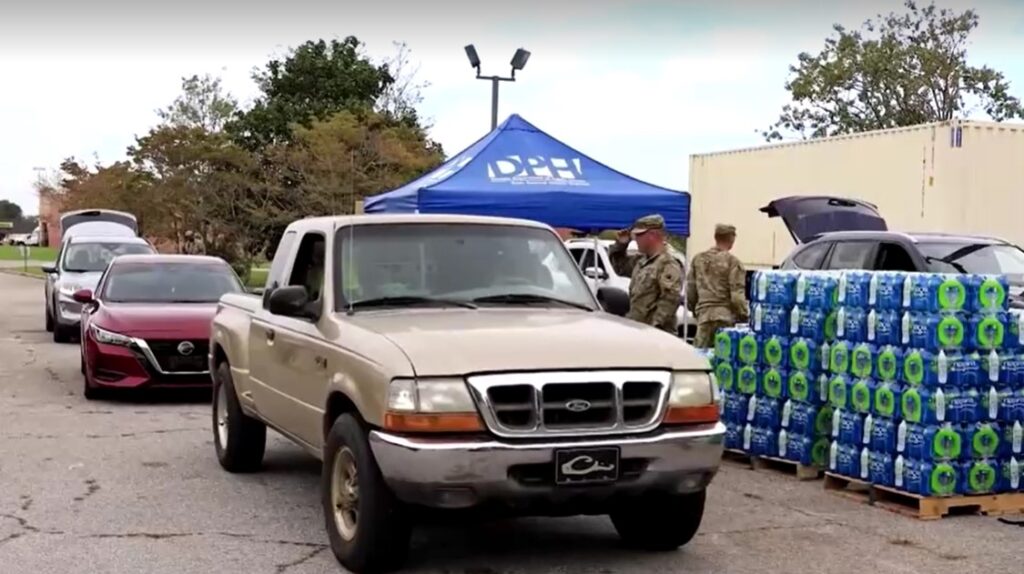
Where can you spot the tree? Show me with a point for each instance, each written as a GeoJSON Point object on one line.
{"type": "Point", "coordinates": [115, 186]}
{"type": "Point", "coordinates": [399, 99]}
{"type": "Point", "coordinates": [202, 104]}
{"type": "Point", "coordinates": [10, 211]}
{"type": "Point", "coordinates": [899, 70]}
{"type": "Point", "coordinates": [315, 80]}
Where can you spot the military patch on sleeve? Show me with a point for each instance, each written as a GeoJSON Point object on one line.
{"type": "Point", "coordinates": [671, 277]}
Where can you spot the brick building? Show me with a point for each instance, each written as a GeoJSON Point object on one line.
{"type": "Point", "coordinates": [49, 219]}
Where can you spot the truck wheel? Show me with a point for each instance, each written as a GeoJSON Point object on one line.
{"type": "Point", "coordinates": [367, 526]}
{"type": "Point", "coordinates": [660, 522]}
{"type": "Point", "coordinates": [239, 439]}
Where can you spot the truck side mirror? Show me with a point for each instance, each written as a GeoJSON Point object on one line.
{"type": "Point", "coordinates": [49, 269]}
{"type": "Point", "coordinates": [290, 301]}
{"type": "Point", "coordinates": [613, 300]}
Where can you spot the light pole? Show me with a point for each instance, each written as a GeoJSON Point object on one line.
{"type": "Point", "coordinates": [518, 63]}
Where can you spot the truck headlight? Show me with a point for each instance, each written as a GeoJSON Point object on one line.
{"type": "Point", "coordinates": [431, 405]}
{"type": "Point", "coordinates": [109, 337]}
{"type": "Point", "coordinates": [69, 289]}
{"type": "Point", "coordinates": [692, 399]}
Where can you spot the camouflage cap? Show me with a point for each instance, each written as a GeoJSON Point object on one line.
{"type": "Point", "coordinates": [648, 222]}
{"type": "Point", "coordinates": [724, 229]}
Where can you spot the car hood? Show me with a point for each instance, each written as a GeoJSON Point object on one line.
{"type": "Point", "coordinates": [172, 321]}
{"type": "Point", "coordinates": [808, 217]}
{"type": "Point", "coordinates": [443, 342]}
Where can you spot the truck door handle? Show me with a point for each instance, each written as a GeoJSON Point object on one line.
{"type": "Point", "coordinates": [270, 336]}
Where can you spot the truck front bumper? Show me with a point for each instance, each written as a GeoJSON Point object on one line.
{"type": "Point", "coordinates": [443, 472]}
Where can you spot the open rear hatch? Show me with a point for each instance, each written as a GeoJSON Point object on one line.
{"type": "Point", "coordinates": [808, 217]}
{"type": "Point", "coordinates": [99, 217]}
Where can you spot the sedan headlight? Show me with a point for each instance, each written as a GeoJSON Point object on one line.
{"type": "Point", "coordinates": [109, 337]}
{"type": "Point", "coordinates": [431, 405]}
{"type": "Point", "coordinates": [693, 398]}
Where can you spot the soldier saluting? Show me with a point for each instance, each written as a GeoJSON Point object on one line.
{"type": "Point", "coordinates": [656, 277]}
{"type": "Point", "coordinates": [715, 289]}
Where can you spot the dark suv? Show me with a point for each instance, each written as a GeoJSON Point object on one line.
{"type": "Point", "coordinates": [834, 233]}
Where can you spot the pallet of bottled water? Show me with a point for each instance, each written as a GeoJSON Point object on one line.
{"type": "Point", "coordinates": [908, 381]}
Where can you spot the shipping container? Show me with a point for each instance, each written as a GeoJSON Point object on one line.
{"type": "Point", "coordinates": [956, 177]}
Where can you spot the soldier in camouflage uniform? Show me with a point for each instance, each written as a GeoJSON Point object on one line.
{"type": "Point", "coordinates": [715, 288]}
{"type": "Point", "coordinates": [193, 244]}
{"type": "Point", "coordinates": [656, 278]}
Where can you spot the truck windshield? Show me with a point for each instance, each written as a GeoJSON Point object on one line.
{"type": "Point", "coordinates": [982, 258]}
{"type": "Point", "coordinates": [490, 265]}
{"type": "Point", "coordinates": [169, 283]}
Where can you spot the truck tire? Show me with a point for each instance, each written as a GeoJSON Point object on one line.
{"type": "Point", "coordinates": [49, 320]}
{"type": "Point", "coordinates": [368, 527]}
{"type": "Point", "coordinates": [239, 439]}
{"type": "Point", "coordinates": [660, 522]}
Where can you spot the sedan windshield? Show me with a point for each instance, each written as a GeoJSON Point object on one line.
{"type": "Point", "coordinates": [981, 258]}
{"type": "Point", "coordinates": [169, 283]}
{"type": "Point", "coordinates": [455, 264]}
{"type": "Point", "coordinates": [94, 257]}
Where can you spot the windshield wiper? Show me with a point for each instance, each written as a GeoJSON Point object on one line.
{"type": "Point", "coordinates": [403, 300]}
{"type": "Point", "coordinates": [953, 264]}
{"type": "Point", "coordinates": [525, 298]}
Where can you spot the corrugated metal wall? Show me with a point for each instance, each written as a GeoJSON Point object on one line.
{"type": "Point", "coordinates": [957, 177]}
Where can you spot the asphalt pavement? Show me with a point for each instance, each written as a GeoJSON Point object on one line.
{"type": "Point", "coordinates": [133, 486]}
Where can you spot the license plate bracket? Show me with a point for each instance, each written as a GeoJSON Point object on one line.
{"type": "Point", "coordinates": [586, 465]}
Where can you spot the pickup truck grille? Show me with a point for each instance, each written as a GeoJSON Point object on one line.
{"type": "Point", "coordinates": [569, 403]}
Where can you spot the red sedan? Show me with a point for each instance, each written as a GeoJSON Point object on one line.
{"type": "Point", "coordinates": [148, 323]}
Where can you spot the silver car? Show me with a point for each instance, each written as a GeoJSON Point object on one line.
{"type": "Point", "coordinates": [81, 261]}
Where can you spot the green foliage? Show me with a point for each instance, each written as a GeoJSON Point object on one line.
{"type": "Point", "coordinates": [329, 128]}
{"type": "Point", "coordinates": [10, 211]}
{"type": "Point", "coordinates": [202, 104]}
{"type": "Point", "coordinates": [316, 80]}
{"type": "Point", "coordinates": [899, 70]}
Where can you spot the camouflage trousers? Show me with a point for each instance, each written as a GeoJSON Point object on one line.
{"type": "Point", "coordinates": [705, 337]}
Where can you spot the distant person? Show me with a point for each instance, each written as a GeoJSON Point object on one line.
{"type": "Point", "coordinates": [656, 277]}
{"type": "Point", "coordinates": [715, 289]}
{"type": "Point", "coordinates": [193, 244]}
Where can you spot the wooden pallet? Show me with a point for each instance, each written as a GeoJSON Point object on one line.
{"type": "Point", "coordinates": [801, 471]}
{"type": "Point", "coordinates": [923, 507]}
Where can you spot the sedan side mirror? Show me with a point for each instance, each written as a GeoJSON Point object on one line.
{"type": "Point", "coordinates": [83, 296]}
{"type": "Point", "coordinates": [595, 273]}
{"type": "Point", "coordinates": [613, 300]}
{"type": "Point", "coordinates": [290, 301]}
{"type": "Point", "coordinates": [49, 269]}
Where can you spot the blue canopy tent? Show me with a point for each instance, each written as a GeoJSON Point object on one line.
{"type": "Point", "coordinates": [518, 170]}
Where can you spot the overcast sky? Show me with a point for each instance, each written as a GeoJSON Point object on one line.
{"type": "Point", "coordinates": [639, 85]}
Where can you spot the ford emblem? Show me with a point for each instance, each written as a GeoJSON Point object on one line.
{"type": "Point", "coordinates": [578, 405]}
{"type": "Point", "coordinates": [186, 348]}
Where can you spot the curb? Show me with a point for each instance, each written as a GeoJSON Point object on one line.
{"type": "Point", "coordinates": [8, 271]}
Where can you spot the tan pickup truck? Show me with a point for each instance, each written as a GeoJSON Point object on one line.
{"type": "Point", "coordinates": [447, 362]}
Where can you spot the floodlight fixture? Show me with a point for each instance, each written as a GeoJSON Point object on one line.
{"type": "Point", "coordinates": [519, 60]}
{"type": "Point", "coordinates": [474, 59]}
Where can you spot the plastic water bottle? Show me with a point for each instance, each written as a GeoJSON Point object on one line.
{"type": "Point", "coordinates": [932, 442]}
{"type": "Point", "coordinates": [934, 292]}
{"type": "Point", "coordinates": [978, 477]}
{"type": "Point", "coordinates": [853, 289]}
{"type": "Point", "coordinates": [987, 293]}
